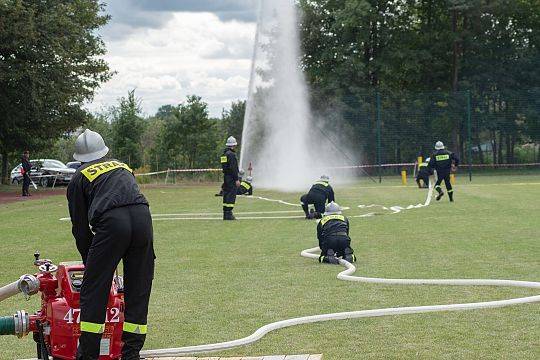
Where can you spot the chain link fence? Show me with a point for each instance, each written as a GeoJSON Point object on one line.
{"type": "Point", "coordinates": [486, 129]}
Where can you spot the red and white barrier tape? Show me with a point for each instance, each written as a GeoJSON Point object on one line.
{"type": "Point", "coordinates": [365, 166]}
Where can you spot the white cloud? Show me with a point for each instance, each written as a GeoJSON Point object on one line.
{"type": "Point", "coordinates": [192, 53]}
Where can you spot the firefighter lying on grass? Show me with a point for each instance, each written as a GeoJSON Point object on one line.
{"type": "Point", "coordinates": [333, 235]}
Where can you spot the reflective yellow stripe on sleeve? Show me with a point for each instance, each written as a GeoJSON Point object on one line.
{"type": "Point", "coordinates": [95, 170]}
{"type": "Point", "coordinates": [246, 185]}
{"type": "Point", "coordinates": [92, 327]}
{"type": "Point", "coordinates": [135, 328]}
{"type": "Point", "coordinates": [223, 159]}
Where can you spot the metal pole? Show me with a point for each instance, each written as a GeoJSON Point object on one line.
{"type": "Point", "coordinates": [469, 133]}
{"type": "Point", "coordinates": [379, 135]}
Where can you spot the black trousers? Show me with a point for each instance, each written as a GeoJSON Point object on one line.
{"type": "Point", "coordinates": [121, 234]}
{"type": "Point", "coordinates": [229, 193]}
{"type": "Point", "coordinates": [317, 201]}
{"type": "Point", "coordinates": [25, 184]}
{"type": "Point", "coordinates": [446, 177]}
{"type": "Point", "coordinates": [336, 243]}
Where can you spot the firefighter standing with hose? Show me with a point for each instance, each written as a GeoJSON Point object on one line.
{"type": "Point", "coordinates": [25, 171]}
{"type": "Point", "coordinates": [318, 194]}
{"type": "Point", "coordinates": [444, 162]}
{"type": "Point", "coordinates": [111, 221]}
{"type": "Point", "coordinates": [231, 182]}
{"type": "Point", "coordinates": [333, 235]}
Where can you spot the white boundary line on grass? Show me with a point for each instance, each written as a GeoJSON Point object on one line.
{"type": "Point", "coordinates": [347, 275]}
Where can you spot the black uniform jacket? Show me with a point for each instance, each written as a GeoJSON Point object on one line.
{"type": "Point", "coordinates": [245, 188]}
{"type": "Point", "coordinates": [332, 225]}
{"type": "Point", "coordinates": [442, 160]}
{"type": "Point", "coordinates": [322, 188]}
{"type": "Point", "coordinates": [26, 166]}
{"type": "Point", "coordinates": [229, 164]}
{"type": "Point", "coordinates": [96, 187]}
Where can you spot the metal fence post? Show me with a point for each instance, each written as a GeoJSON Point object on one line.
{"type": "Point", "coordinates": [378, 110]}
{"type": "Point", "coordinates": [469, 134]}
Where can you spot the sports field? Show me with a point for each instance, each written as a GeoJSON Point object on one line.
{"type": "Point", "coordinates": [217, 281]}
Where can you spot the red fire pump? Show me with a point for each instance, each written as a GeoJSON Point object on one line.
{"type": "Point", "coordinates": [56, 326]}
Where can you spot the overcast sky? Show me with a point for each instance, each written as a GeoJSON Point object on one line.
{"type": "Point", "coordinates": [167, 49]}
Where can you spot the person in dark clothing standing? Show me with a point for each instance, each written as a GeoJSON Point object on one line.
{"type": "Point", "coordinates": [111, 221]}
{"type": "Point", "coordinates": [443, 162]}
{"type": "Point", "coordinates": [25, 171]}
{"type": "Point", "coordinates": [424, 172]}
{"type": "Point", "coordinates": [246, 188]}
{"type": "Point", "coordinates": [333, 235]}
{"type": "Point", "coordinates": [231, 182]}
{"type": "Point", "coordinates": [319, 193]}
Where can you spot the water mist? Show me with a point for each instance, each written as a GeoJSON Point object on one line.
{"type": "Point", "coordinates": [285, 148]}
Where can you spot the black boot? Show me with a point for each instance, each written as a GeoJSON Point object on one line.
{"type": "Point", "coordinates": [349, 255]}
{"type": "Point", "coordinates": [329, 258]}
{"type": "Point", "coordinates": [451, 196]}
{"type": "Point", "coordinates": [441, 193]}
{"type": "Point", "coordinates": [228, 215]}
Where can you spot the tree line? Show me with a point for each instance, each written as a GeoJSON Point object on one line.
{"type": "Point", "coordinates": [398, 74]}
{"type": "Point", "coordinates": [176, 136]}
{"type": "Point", "coordinates": [414, 64]}
{"type": "Point", "coordinates": [51, 65]}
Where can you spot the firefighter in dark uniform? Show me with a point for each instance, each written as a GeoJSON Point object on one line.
{"type": "Point", "coordinates": [443, 162]}
{"type": "Point", "coordinates": [245, 188]}
{"type": "Point", "coordinates": [318, 195]}
{"type": "Point", "coordinates": [111, 221]}
{"type": "Point", "coordinates": [333, 235]}
{"type": "Point", "coordinates": [25, 171]}
{"type": "Point", "coordinates": [424, 172]}
{"type": "Point", "coordinates": [231, 182]}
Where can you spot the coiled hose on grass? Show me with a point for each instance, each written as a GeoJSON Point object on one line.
{"type": "Point", "coordinates": [346, 275]}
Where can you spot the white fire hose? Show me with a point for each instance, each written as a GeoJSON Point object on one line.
{"type": "Point", "coordinates": [27, 284]}
{"type": "Point", "coordinates": [347, 276]}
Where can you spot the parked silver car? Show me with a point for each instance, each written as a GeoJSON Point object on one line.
{"type": "Point", "coordinates": [45, 172]}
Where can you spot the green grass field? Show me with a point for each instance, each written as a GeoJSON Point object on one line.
{"type": "Point", "coordinates": [219, 281]}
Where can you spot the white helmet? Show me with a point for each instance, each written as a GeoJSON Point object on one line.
{"type": "Point", "coordinates": [249, 179]}
{"type": "Point", "coordinates": [325, 178]}
{"type": "Point", "coordinates": [231, 141]}
{"type": "Point", "coordinates": [89, 146]}
{"type": "Point", "coordinates": [332, 208]}
{"type": "Point", "coordinates": [439, 145]}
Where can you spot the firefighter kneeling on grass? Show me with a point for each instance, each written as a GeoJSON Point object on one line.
{"type": "Point", "coordinates": [424, 172]}
{"type": "Point", "coordinates": [333, 235]}
{"type": "Point", "coordinates": [111, 222]}
{"type": "Point", "coordinates": [245, 188]}
{"type": "Point", "coordinates": [231, 182]}
{"type": "Point", "coordinates": [318, 194]}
